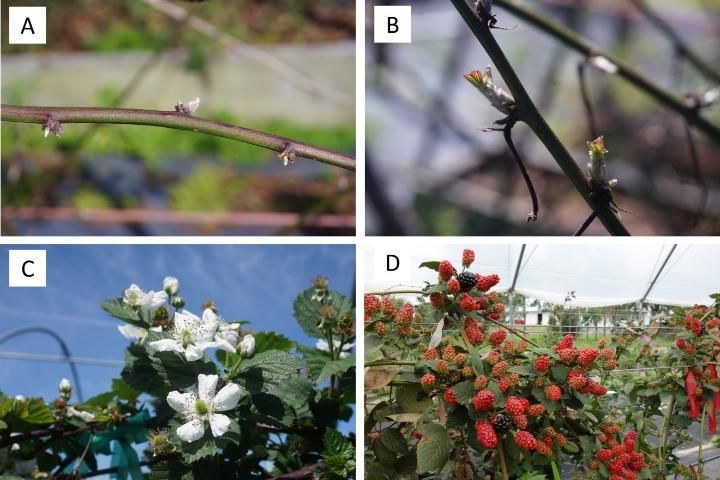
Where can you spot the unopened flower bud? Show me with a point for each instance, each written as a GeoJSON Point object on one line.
{"type": "Point", "coordinates": [171, 285]}
{"type": "Point", "coordinates": [247, 346]}
{"type": "Point", "coordinates": [178, 302]}
{"type": "Point", "coordinates": [65, 387]}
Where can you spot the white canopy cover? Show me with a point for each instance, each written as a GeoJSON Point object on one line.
{"type": "Point", "coordinates": [599, 275]}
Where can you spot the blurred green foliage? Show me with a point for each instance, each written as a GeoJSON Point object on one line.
{"type": "Point", "coordinates": [206, 189]}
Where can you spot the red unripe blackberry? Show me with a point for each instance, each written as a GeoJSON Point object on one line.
{"type": "Point", "coordinates": [372, 304]}
{"type": "Point", "coordinates": [453, 285]}
{"type": "Point", "coordinates": [629, 440]}
{"type": "Point", "coordinates": [568, 354]}
{"type": "Point", "coordinates": [437, 299]}
{"type": "Point", "coordinates": [381, 329]}
{"type": "Point", "coordinates": [442, 367]}
{"type": "Point", "coordinates": [417, 434]}
{"type": "Point", "coordinates": [481, 382]}
{"type": "Point", "coordinates": [561, 440]}
{"type": "Point", "coordinates": [553, 393]}
{"type": "Point", "coordinates": [460, 359]}
{"type": "Point", "coordinates": [467, 281]}
{"type": "Point", "coordinates": [499, 369]}
{"type": "Point", "coordinates": [544, 449]}
{"type": "Point", "coordinates": [503, 385]}
{"type": "Point", "coordinates": [520, 421]}
{"type": "Point", "coordinates": [428, 381]}
{"type": "Point", "coordinates": [486, 282]}
{"type": "Point", "coordinates": [485, 435]}
{"type": "Point", "coordinates": [448, 353]}
{"type": "Point", "coordinates": [542, 363]}
{"type": "Point", "coordinates": [468, 372]}
{"type": "Point", "coordinates": [373, 436]}
{"type": "Point", "coordinates": [525, 440]}
{"type": "Point", "coordinates": [450, 397]}
{"type": "Point", "coordinates": [492, 357]}
{"type": "Point", "coordinates": [604, 455]}
{"type": "Point", "coordinates": [587, 356]}
{"type": "Point", "coordinates": [501, 423]}
{"type": "Point", "coordinates": [566, 342]}
{"type": "Point", "coordinates": [445, 270]}
{"type": "Point", "coordinates": [467, 303]}
{"type": "Point", "coordinates": [483, 400]}
{"type": "Point", "coordinates": [468, 257]}
{"type": "Point", "coordinates": [430, 354]}
{"type": "Point", "coordinates": [515, 405]}
{"type": "Point", "coordinates": [680, 343]}
{"type": "Point", "coordinates": [536, 410]}
{"type": "Point", "coordinates": [404, 316]}
{"type": "Point", "coordinates": [497, 337]}
{"type": "Point", "coordinates": [387, 307]}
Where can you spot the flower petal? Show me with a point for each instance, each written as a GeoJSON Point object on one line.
{"type": "Point", "coordinates": [191, 431]}
{"type": "Point", "coordinates": [219, 424]}
{"type": "Point", "coordinates": [185, 320]}
{"type": "Point", "coordinates": [206, 387]}
{"type": "Point", "coordinates": [166, 345]}
{"type": "Point", "coordinates": [181, 402]}
{"type": "Point", "coordinates": [223, 344]}
{"type": "Point", "coordinates": [227, 398]}
{"type": "Point", "coordinates": [209, 316]}
{"type": "Point", "coordinates": [193, 352]}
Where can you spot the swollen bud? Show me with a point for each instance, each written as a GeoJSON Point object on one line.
{"type": "Point", "coordinates": [499, 98]}
{"type": "Point", "coordinates": [247, 346]}
{"type": "Point", "coordinates": [171, 285]}
{"type": "Point", "coordinates": [178, 302]}
{"type": "Point", "coordinates": [65, 388]}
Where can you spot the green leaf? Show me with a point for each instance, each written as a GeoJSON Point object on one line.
{"type": "Point", "coordinates": [3, 425]}
{"type": "Point", "coordinates": [179, 373]}
{"type": "Point", "coordinates": [412, 399]}
{"type": "Point", "coordinates": [433, 449]}
{"type": "Point", "coordinates": [335, 367]}
{"type": "Point", "coordinates": [394, 440]}
{"type": "Point", "coordinates": [36, 411]}
{"type": "Point", "coordinates": [265, 341]}
{"type": "Point", "coordinates": [307, 310]}
{"type": "Point", "coordinates": [267, 370]}
{"type": "Point", "coordinates": [431, 265]}
{"type": "Point", "coordinates": [571, 447]}
{"type": "Point", "coordinates": [335, 443]}
{"type": "Point", "coordinates": [119, 310]}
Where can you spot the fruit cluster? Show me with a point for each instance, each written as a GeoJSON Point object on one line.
{"type": "Point", "coordinates": [620, 457]}
{"type": "Point", "coordinates": [379, 313]}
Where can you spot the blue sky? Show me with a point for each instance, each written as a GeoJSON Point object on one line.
{"type": "Point", "coordinates": [257, 283]}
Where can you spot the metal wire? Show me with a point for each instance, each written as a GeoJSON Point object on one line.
{"type": "Point", "coordinates": [63, 346]}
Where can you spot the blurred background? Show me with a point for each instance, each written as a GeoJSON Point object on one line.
{"type": "Point", "coordinates": [431, 169]}
{"type": "Point", "coordinates": [283, 67]}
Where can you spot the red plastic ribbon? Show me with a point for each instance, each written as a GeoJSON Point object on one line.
{"type": "Point", "coordinates": [691, 387]}
{"type": "Point", "coordinates": [712, 424]}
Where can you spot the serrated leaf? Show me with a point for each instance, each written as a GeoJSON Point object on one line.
{"type": "Point", "coordinates": [307, 310]}
{"type": "Point", "coordinates": [265, 341]}
{"type": "Point", "coordinates": [384, 455]}
{"type": "Point", "coordinates": [394, 440]}
{"type": "Point", "coordinates": [464, 391]}
{"type": "Point", "coordinates": [119, 310]}
{"type": "Point", "coordinates": [267, 370]}
{"type": "Point", "coordinates": [405, 417]}
{"type": "Point", "coordinates": [177, 373]}
{"type": "Point", "coordinates": [335, 443]}
{"type": "Point", "coordinates": [433, 449]}
{"type": "Point", "coordinates": [411, 399]}
{"type": "Point", "coordinates": [335, 367]}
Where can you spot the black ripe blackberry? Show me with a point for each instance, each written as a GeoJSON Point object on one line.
{"type": "Point", "coordinates": [467, 281]}
{"type": "Point", "coordinates": [501, 423]}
